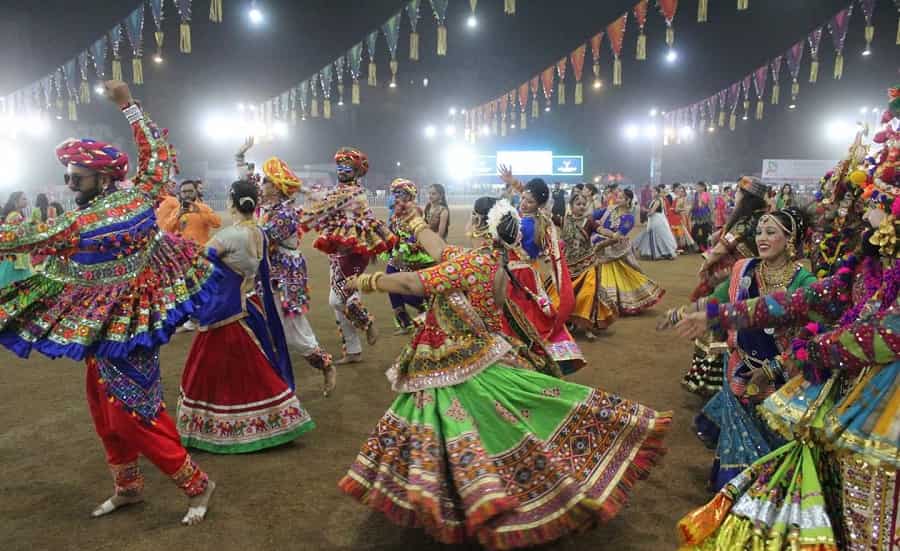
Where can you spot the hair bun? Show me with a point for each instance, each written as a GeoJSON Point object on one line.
{"type": "Point", "coordinates": [247, 201]}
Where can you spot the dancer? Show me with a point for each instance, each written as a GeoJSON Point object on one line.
{"type": "Point", "coordinates": [594, 310]}
{"type": "Point", "coordinates": [785, 197]}
{"type": "Point", "coordinates": [407, 256]}
{"type": "Point", "coordinates": [721, 209]}
{"type": "Point", "coordinates": [351, 236]}
{"type": "Point", "coordinates": [682, 220]}
{"type": "Point", "coordinates": [437, 213]}
{"type": "Point", "coordinates": [701, 217]}
{"type": "Point", "coordinates": [533, 315]}
{"type": "Point", "coordinates": [656, 241]}
{"type": "Point", "coordinates": [237, 388]}
{"type": "Point", "coordinates": [113, 292]}
{"type": "Point", "coordinates": [621, 276]}
{"type": "Point", "coordinates": [14, 266]}
{"type": "Point", "coordinates": [477, 446]}
{"type": "Point", "coordinates": [280, 221]}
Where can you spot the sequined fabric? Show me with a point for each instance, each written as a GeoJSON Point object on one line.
{"type": "Point", "coordinates": [288, 273]}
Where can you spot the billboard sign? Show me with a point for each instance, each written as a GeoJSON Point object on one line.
{"type": "Point", "coordinates": [795, 170]}
{"type": "Point", "coordinates": [530, 163]}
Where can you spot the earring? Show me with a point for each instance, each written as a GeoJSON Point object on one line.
{"type": "Point", "coordinates": [791, 250]}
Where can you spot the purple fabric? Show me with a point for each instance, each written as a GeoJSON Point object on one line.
{"type": "Point", "coordinates": [793, 57]}
{"type": "Point", "coordinates": [759, 80]}
{"type": "Point", "coordinates": [815, 38]}
{"type": "Point", "coordinates": [838, 27]}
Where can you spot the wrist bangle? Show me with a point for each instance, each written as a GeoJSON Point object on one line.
{"type": "Point", "coordinates": [133, 113]}
{"type": "Point", "coordinates": [375, 277]}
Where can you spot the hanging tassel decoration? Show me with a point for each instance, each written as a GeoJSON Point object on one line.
{"type": "Point", "coordinates": [535, 108]}
{"type": "Point", "coordinates": [776, 93]}
{"type": "Point", "coordinates": [561, 93]}
{"type": "Point", "coordinates": [870, 34]}
{"type": "Point", "coordinates": [85, 92]}
{"type": "Point", "coordinates": [137, 68]}
{"type": "Point", "coordinates": [314, 108]}
{"type": "Point", "coordinates": [373, 76]}
{"type": "Point", "coordinates": [732, 123]}
{"type": "Point", "coordinates": [117, 68]}
{"type": "Point", "coordinates": [838, 66]}
{"type": "Point", "coordinates": [670, 36]}
{"type": "Point", "coordinates": [760, 105]}
{"type": "Point", "coordinates": [509, 7]}
{"type": "Point", "coordinates": [795, 89]}
{"type": "Point", "coordinates": [215, 11]}
{"type": "Point", "coordinates": [722, 118]}
{"type": "Point", "coordinates": [354, 92]}
{"type": "Point", "coordinates": [743, 5]}
{"type": "Point", "coordinates": [326, 108]}
{"type": "Point", "coordinates": [702, 11]}
{"type": "Point", "coordinates": [617, 72]}
{"type": "Point", "coordinates": [814, 71]}
{"type": "Point", "coordinates": [642, 47]}
{"type": "Point", "coordinates": [394, 67]}
{"type": "Point", "coordinates": [184, 44]}
{"type": "Point", "coordinates": [898, 30]}
{"type": "Point", "coordinates": [523, 120]}
{"type": "Point", "coordinates": [414, 46]}
{"type": "Point", "coordinates": [579, 93]}
{"type": "Point", "coordinates": [73, 110]}
{"type": "Point", "coordinates": [442, 40]}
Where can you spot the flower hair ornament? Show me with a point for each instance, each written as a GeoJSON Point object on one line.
{"type": "Point", "coordinates": [495, 217]}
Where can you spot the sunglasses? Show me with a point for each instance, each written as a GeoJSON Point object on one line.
{"type": "Point", "coordinates": [75, 179]}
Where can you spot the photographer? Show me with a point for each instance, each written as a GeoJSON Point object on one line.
{"type": "Point", "coordinates": [193, 219]}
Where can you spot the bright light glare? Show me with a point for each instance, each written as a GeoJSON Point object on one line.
{"type": "Point", "coordinates": [867, 52]}
{"type": "Point", "coordinates": [450, 130]}
{"type": "Point", "coordinates": [838, 131]}
{"type": "Point", "coordinates": [472, 22]}
{"type": "Point", "coordinates": [792, 106]}
{"type": "Point", "coordinates": [219, 128]}
{"type": "Point", "coordinates": [157, 59]}
{"type": "Point", "coordinates": [99, 89]}
{"type": "Point", "coordinates": [452, 111]}
{"type": "Point", "coordinates": [430, 131]}
{"type": "Point", "coordinates": [240, 106]}
{"type": "Point", "coordinates": [547, 109]}
{"type": "Point", "coordinates": [654, 112]}
{"type": "Point", "coordinates": [686, 132]}
{"type": "Point", "coordinates": [711, 129]}
{"type": "Point", "coordinates": [340, 103]}
{"type": "Point", "coordinates": [671, 56]}
{"type": "Point", "coordinates": [30, 125]}
{"type": "Point", "coordinates": [598, 84]}
{"type": "Point", "coordinates": [650, 131]}
{"type": "Point", "coordinates": [280, 129]}
{"type": "Point", "coordinates": [398, 163]}
{"type": "Point", "coordinates": [864, 110]}
{"type": "Point", "coordinates": [513, 126]}
{"type": "Point", "coordinates": [745, 117]}
{"type": "Point", "coordinates": [459, 160]}
{"type": "Point", "coordinates": [425, 82]}
{"type": "Point", "coordinates": [9, 157]}
{"type": "Point", "coordinates": [255, 15]}
{"type": "Point", "coordinates": [875, 110]}
{"type": "Point", "coordinates": [392, 84]}
{"type": "Point", "coordinates": [631, 132]}
{"type": "Point", "coordinates": [596, 179]}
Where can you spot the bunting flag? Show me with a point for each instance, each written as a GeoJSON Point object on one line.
{"type": "Point", "coordinates": [292, 99]}
{"type": "Point", "coordinates": [303, 97]}
{"type": "Point", "coordinates": [776, 78]}
{"type": "Point", "coordinates": [734, 98]}
{"type": "Point", "coordinates": [746, 88]}
{"type": "Point", "coordinates": [723, 96]}
{"type": "Point", "coordinates": [371, 42]}
{"type": "Point", "coordinates": [616, 33]}
{"type": "Point", "coordinates": [502, 102]}
{"type": "Point", "coordinates": [838, 26]}
{"type": "Point", "coordinates": [83, 60]}
{"type": "Point", "coordinates": [339, 64]}
{"type": "Point", "coordinates": [391, 30]}
{"type": "Point", "coordinates": [561, 71]}
{"type": "Point", "coordinates": [511, 96]}
{"type": "Point", "coordinates": [412, 11]}
{"type": "Point", "coordinates": [184, 28]}
{"type": "Point", "coordinates": [115, 40]}
{"type": "Point", "coordinates": [314, 96]}
{"type": "Point", "coordinates": [596, 42]}
{"type": "Point", "coordinates": [68, 70]}
{"type": "Point", "coordinates": [134, 28]}
{"type": "Point", "coordinates": [712, 106]}
{"type": "Point", "coordinates": [547, 82]}
{"type": "Point", "coordinates": [577, 60]}
{"type": "Point", "coordinates": [509, 7]}
{"type": "Point", "coordinates": [535, 108]}
{"type": "Point", "coordinates": [440, 15]}
{"type": "Point", "coordinates": [759, 83]}
{"type": "Point", "coordinates": [98, 53]}
{"type": "Point", "coordinates": [702, 11]}
{"type": "Point", "coordinates": [868, 8]}
{"type": "Point", "coordinates": [640, 15]}
{"type": "Point", "coordinates": [326, 77]}
{"type": "Point", "coordinates": [897, 3]}
{"type": "Point", "coordinates": [743, 5]}
{"type": "Point", "coordinates": [215, 11]}
{"type": "Point", "coordinates": [156, 11]}
{"type": "Point", "coordinates": [668, 9]}
{"type": "Point", "coordinates": [523, 105]}
{"type": "Point", "coordinates": [814, 38]}
{"type": "Point", "coordinates": [354, 63]}
{"type": "Point", "coordinates": [793, 57]}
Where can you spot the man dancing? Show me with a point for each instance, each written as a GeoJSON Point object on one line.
{"type": "Point", "coordinates": [113, 290]}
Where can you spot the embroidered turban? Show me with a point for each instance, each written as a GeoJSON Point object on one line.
{"type": "Point", "coordinates": [280, 174]}
{"type": "Point", "coordinates": [402, 185]}
{"type": "Point", "coordinates": [349, 156]}
{"type": "Point", "coordinates": [94, 155]}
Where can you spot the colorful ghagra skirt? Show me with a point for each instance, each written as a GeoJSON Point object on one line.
{"type": "Point", "coordinates": [704, 378]}
{"type": "Point", "coordinates": [594, 309]}
{"type": "Point", "coordinates": [509, 458]}
{"type": "Point", "coordinates": [625, 283]}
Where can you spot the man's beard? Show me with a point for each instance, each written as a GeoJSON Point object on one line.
{"type": "Point", "coordinates": [346, 178]}
{"type": "Point", "coordinates": [84, 198]}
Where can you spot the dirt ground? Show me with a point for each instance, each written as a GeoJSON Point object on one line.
{"type": "Point", "coordinates": [52, 471]}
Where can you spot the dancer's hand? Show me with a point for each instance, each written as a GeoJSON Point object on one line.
{"type": "Point", "coordinates": [351, 284]}
{"type": "Point", "coordinates": [248, 143]}
{"type": "Point", "coordinates": [117, 92]}
{"type": "Point", "coordinates": [506, 174]}
{"type": "Point", "coordinates": [692, 325]}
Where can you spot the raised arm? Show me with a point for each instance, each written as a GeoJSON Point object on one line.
{"type": "Point", "coordinates": [875, 341]}
{"type": "Point", "coordinates": [243, 168]}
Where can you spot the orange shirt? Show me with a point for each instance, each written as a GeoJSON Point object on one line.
{"type": "Point", "coordinates": [194, 225]}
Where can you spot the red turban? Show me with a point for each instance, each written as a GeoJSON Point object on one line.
{"type": "Point", "coordinates": [94, 155]}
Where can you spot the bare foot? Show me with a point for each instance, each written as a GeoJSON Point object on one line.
{"type": "Point", "coordinates": [330, 374]}
{"type": "Point", "coordinates": [198, 506]}
{"type": "Point", "coordinates": [115, 502]}
{"type": "Point", "coordinates": [349, 359]}
{"type": "Point", "coordinates": [372, 334]}
{"type": "Point", "coordinates": [590, 336]}
{"type": "Point", "coordinates": [401, 331]}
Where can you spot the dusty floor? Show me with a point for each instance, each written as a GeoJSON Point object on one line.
{"type": "Point", "coordinates": [52, 471]}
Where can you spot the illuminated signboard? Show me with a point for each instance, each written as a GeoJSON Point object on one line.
{"type": "Point", "coordinates": [530, 163]}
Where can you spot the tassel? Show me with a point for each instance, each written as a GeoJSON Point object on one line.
{"type": "Point", "coordinates": [314, 108]}
{"type": "Point", "coordinates": [702, 11]}
{"type": "Point", "coordinates": [159, 36]}
{"type": "Point", "coordinates": [535, 109]}
{"type": "Point", "coordinates": [117, 69]}
{"type": "Point", "coordinates": [215, 11]}
{"type": "Point", "coordinates": [340, 94]}
{"type": "Point", "coordinates": [185, 38]}
{"type": "Point", "coordinates": [641, 47]}
{"type": "Point", "coordinates": [838, 66]}
{"type": "Point", "coordinates": [898, 31]}
{"type": "Point", "coordinates": [73, 110]}
{"type": "Point", "coordinates": [85, 92]}
{"type": "Point", "coordinates": [137, 68]}
{"type": "Point", "coordinates": [760, 105]}
{"type": "Point", "coordinates": [617, 72]}
{"type": "Point", "coordinates": [814, 71]}
{"type": "Point", "coordinates": [743, 5]}
{"type": "Point", "coordinates": [442, 40]}
{"type": "Point", "coordinates": [354, 92]}
{"type": "Point", "coordinates": [503, 127]}
{"type": "Point", "coordinates": [561, 92]}
{"type": "Point", "coordinates": [732, 123]}
{"type": "Point", "coordinates": [722, 118]}
{"type": "Point", "coordinates": [326, 108]}
{"type": "Point", "coordinates": [523, 121]}
{"type": "Point", "coordinates": [414, 46]}
{"type": "Point", "coordinates": [373, 76]}
{"type": "Point", "coordinates": [746, 105]}
{"type": "Point", "coordinates": [795, 89]}
{"type": "Point", "coordinates": [579, 93]}
{"type": "Point", "coordinates": [394, 67]}
{"type": "Point", "coordinates": [870, 34]}
{"type": "Point", "coordinates": [776, 94]}
{"type": "Point", "coordinates": [670, 36]}
{"type": "Point", "coordinates": [509, 7]}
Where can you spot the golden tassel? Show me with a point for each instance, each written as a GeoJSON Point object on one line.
{"type": "Point", "coordinates": [215, 11]}
{"type": "Point", "coordinates": [746, 105]}
{"type": "Point", "coordinates": [185, 38]}
{"type": "Point", "coordinates": [617, 72]}
{"type": "Point", "coordinates": [561, 92]}
{"type": "Point", "coordinates": [732, 123]}
{"type": "Point", "coordinates": [373, 70]}
{"type": "Point", "coordinates": [760, 105]}
{"type": "Point", "coordinates": [394, 67]}
{"type": "Point", "coordinates": [641, 47]}
{"type": "Point", "coordinates": [776, 93]}
{"type": "Point", "coordinates": [898, 31]}
{"type": "Point", "coordinates": [442, 40]}
{"type": "Point", "coordinates": [59, 105]}
{"type": "Point", "coordinates": [503, 126]}
{"type": "Point", "coordinates": [535, 109]}
{"type": "Point", "coordinates": [838, 66]}
{"type": "Point", "coordinates": [870, 34]}
{"type": "Point", "coordinates": [814, 71]}
{"type": "Point", "coordinates": [116, 69]}
{"type": "Point", "coordinates": [85, 92]}
{"type": "Point", "coordinates": [326, 108]}
{"type": "Point", "coordinates": [137, 67]}
{"type": "Point", "coordinates": [743, 5]}
{"type": "Point", "coordinates": [509, 7]}
{"type": "Point", "coordinates": [722, 118]}
{"type": "Point", "coordinates": [579, 93]}
{"type": "Point", "coordinates": [314, 108]}
{"type": "Point", "coordinates": [159, 36]}
{"type": "Point", "coordinates": [702, 11]}
{"type": "Point", "coordinates": [354, 92]}
{"type": "Point", "coordinates": [523, 121]}
{"type": "Point", "coordinates": [73, 110]}
{"type": "Point", "coordinates": [414, 46]}
{"type": "Point", "coordinates": [670, 36]}
{"type": "Point", "coordinates": [340, 94]}
{"type": "Point", "coordinates": [795, 88]}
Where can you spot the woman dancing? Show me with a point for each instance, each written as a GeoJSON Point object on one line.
{"type": "Point", "coordinates": [657, 242]}
{"type": "Point", "coordinates": [437, 213]}
{"type": "Point", "coordinates": [237, 388]}
{"type": "Point", "coordinates": [477, 446]}
{"type": "Point", "coordinates": [701, 217]}
{"type": "Point", "coordinates": [15, 266]}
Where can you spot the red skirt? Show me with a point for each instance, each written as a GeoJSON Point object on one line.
{"type": "Point", "coordinates": [232, 400]}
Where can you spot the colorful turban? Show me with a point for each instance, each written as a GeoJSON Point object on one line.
{"type": "Point", "coordinates": [402, 185]}
{"type": "Point", "coordinates": [753, 186]}
{"type": "Point", "coordinates": [280, 174]}
{"type": "Point", "coordinates": [94, 155]}
{"type": "Point", "coordinates": [355, 158]}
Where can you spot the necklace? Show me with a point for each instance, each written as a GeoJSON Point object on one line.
{"type": "Point", "coordinates": [771, 279]}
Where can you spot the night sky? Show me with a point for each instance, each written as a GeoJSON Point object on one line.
{"type": "Point", "coordinates": [234, 61]}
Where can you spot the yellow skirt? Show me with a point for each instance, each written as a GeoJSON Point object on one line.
{"type": "Point", "coordinates": [631, 290]}
{"type": "Point", "coordinates": [594, 309]}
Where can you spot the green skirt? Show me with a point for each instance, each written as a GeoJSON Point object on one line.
{"type": "Point", "coordinates": [509, 458]}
